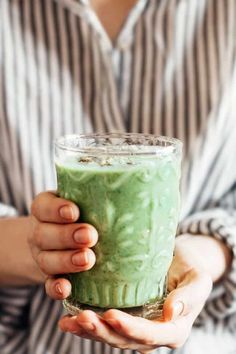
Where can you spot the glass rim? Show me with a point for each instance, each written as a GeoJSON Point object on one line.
{"type": "Point", "coordinates": [166, 144]}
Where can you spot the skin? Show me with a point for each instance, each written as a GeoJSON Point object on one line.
{"type": "Point", "coordinates": [126, 332]}
{"type": "Point", "coordinates": [199, 261]}
{"type": "Point", "coordinates": [112, 14]}
{"type": "Point", "coordinates": [58, 244]}
{"type": "Point", "coordinates": [45, 246]}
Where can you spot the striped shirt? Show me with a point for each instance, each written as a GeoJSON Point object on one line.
{"type": "Point", "coordinates": [170, 71]}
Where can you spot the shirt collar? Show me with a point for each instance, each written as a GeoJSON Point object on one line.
{"type": "Point", "coordinates": [83, 9]}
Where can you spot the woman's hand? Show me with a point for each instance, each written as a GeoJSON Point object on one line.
{"type": "Point", "coordinates": [58, 244]}
{"type": "Point", "coordinates": [189, 284]}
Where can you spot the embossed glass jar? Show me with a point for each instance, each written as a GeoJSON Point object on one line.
{"type": "Point", "coordinates": [127, 186]}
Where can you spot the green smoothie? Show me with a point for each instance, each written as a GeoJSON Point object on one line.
{"type": "Point", "coordinates": [134, 205]}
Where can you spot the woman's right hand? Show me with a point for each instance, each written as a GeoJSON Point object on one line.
{"type": "Point", "coordinates": [58, 244]}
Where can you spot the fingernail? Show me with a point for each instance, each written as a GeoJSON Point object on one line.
{"type": "Point", "coordinates": [80, 259]}
{"type": "Point", "coordinates": [82, 235]}
{"type": "Point", "coordinates": [88, 326]}
{"type": "Point", "coordinates": [114, 323]}
{"type": "Point", "coordinates": [178, 309]}
{"type": "Point", "coordinates": [58, 289]}
{"type": "Point", "coordinates": [66, 212]}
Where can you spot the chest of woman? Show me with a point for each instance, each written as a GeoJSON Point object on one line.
{"type": "Point", "coordinates": [169, 71]}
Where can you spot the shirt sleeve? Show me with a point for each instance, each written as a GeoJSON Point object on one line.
{"type": "Point", "coordinates": [14, 318]}
{"type": "Point", "coordinates": [7, 211]}
{"type": "Point", "coordinates": [219, 223]}
{"type": "Point", "coordinates": [14, 308]}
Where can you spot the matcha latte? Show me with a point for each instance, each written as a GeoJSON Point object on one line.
{"type": "Point", "coordinates": [127, 187]}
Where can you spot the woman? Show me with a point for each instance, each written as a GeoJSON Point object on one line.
{"type": "Point", "coordinates": [164, 67]}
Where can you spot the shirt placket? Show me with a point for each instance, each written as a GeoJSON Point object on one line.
{"type": "Point", "coordinates": [111, 52]}
{"type": "Point", "coordinates": [125, 36]}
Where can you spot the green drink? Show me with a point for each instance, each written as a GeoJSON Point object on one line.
{"type": "Point", "coordinates": [129, 191]}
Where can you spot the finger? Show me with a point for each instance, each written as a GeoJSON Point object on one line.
{"type": "Point", "coordinates": [189, 296]}
{"type": "Point", "coordinates": [61, 262]}
{"type": "Point", "coordinates": [69, 324]}
{"type": "Point", "coordinates": [98, 330]}
{"type": "Point", "coordinates": [142, 331]}
{"type": "Point", "coordinates": [47, 207]}
{"type": "Point", "coordinates": [57, 289]}
{"type": "Point", "coordinates": [50, 236]}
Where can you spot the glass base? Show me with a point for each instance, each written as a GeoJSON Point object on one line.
{"type": "Point", "coordinates": [149, 311]}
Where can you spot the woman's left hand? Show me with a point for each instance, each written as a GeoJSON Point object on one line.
{"type": "Point", "coordinates": [189, 285]}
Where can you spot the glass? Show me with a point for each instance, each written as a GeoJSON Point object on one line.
{"type": "Point", "coordinates": [127, 187]}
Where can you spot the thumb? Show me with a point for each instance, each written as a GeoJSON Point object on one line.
{"type": "Point", "coordinates": [189, 296]}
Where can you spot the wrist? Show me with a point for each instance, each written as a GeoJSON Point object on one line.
{"type": "Point", "coordinates": [17, 266]}
{"type": "Point", "coordinates": [207, 254]}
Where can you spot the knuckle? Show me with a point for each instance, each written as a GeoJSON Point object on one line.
{"type": "Point", "coordinates": [30, 237]}
{"type": "Point", "coordinates": [37, 235]}
{"type": "Point", "coordinates": [41, 262]}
